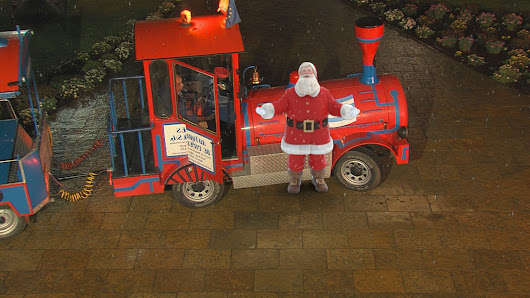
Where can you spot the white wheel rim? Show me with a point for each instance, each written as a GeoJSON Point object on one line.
{"type": "Point", "coordinates": [199, 191]}
{"type": "Point", "coordinates": [356, 172]}
{"type": "Point", "coordinates": [8, 222]}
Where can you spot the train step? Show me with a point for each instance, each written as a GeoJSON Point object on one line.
{"type": "Point", "coordinates": [268, 166]}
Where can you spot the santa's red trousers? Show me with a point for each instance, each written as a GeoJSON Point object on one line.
{"type": "Point", "coordinates": [316, 162]}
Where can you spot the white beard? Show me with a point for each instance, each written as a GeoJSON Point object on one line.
{"type": "Point", "coordinates": [307, 85]}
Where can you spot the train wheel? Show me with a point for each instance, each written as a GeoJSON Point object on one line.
{"type": "Point", "coordinates": [358, 170]}
{"type": "Point", "coordinates": [10, 224]}
{"type": "Point", "coordinates": [198, 194]}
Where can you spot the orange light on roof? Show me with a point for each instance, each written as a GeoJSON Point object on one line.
{"type": "Point", "coordinates": [185, 17]}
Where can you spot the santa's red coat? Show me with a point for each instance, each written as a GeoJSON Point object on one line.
{"type": "Point", "coordinates": [296, 141]}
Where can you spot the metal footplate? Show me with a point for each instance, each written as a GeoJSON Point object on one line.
{"type": "Point", "coordinates": [268, 166]}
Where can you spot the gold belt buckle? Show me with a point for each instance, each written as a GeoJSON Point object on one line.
{"type": "Point", "coordinates": [312, 122]}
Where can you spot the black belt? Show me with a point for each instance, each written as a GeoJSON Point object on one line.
{"type": "Point", "coordinates": [308, 125]}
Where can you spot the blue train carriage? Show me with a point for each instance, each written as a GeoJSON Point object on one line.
{"type": "Point", "coordinates": [25, 157]}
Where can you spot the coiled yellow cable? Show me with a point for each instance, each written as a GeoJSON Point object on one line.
{"type": "Point", "coordinates": [84, 193]}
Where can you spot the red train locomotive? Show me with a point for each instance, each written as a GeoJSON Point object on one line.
{"type": "Point", "coordinates": [190, 121]}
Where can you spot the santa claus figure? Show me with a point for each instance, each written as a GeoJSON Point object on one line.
{"type": "Point", "coordinates": [307, 107]}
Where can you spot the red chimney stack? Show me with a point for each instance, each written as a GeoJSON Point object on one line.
{"type": "Point", "coordinates": [368, 31]}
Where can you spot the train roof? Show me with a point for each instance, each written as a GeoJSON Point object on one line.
{"type": "Point", "coordinates": [14, 59]}
{"type": "Point", "coordinates": [169, 38]}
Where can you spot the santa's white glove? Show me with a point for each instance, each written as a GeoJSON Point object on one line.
{"type": "Point", "coordinates": [260, 111]}
{"type": "Point", "coordinates": [349, 112]}
{"type": "Point", "coordinates": [266, 111]}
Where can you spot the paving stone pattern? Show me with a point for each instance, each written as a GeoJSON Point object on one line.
{"type": "Point", "coordinates": [452, 222]}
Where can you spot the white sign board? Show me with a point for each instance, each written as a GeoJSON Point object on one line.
{"type": "Point", "coordinates": [200, 150]}
{"type": "Point", "coordinates": [175, 139]}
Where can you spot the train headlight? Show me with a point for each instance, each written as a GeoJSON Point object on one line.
{"type": "Point", "coordinates": [403, 132]}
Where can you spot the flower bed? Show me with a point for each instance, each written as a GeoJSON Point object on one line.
{"type": "Point", "coordinates": [494, 43]}
{"type": "Point", "coordinates": [86, 71]}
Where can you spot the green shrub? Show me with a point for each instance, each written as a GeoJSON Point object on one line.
{"type": "Point", "coordinates": [410, 9]}
{"type": "Point", "coordinates": [507, 74]}
{"type": "Point", "coordinates": [494, 46]}
{"type": "Point", "coordinates": [437, 11]}
{"type": "Point", "coordinates": [447, 41]}
{"type": "Point", "coordinates": [511, 21]}
{"type": "Point", "coordinates": [407, 23]}
{"type": "Point", "coordinates": [521, 61]}
{"type": "Point", "coordinates": [112, 40]}
{"type": "Point", "coordinates": [166, 8]}
{"type": "Point", "coordinates": [123, 51]}
{"type": "Point", "coordinates": [377, 7]}
{"type": "Point", "coordinates": [465, 16]}
{"type": "Point", "coordinates": [100, 48]}
{"type": "Point", "coordinates": [475, 60]}
{"type": "Point", "coordinates": [91, 64]}
{"type": "Point", "coordinates": [424, 31]}
{"type": "Point", "coordinates": [48, 104]}
{"type": "Point", "coordinates": [94, 77]}
{"type": "Point", "coordinates": [394, 15]}
{"type": "Point", "coordinates": [113, 66]}
{"type": "Point", "coordinates": [465, 43]}
{"type": "Point", "coordinates": [485, 19]}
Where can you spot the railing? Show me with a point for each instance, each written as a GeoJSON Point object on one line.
{"type": "Point", "coordinates": [12, 167]}
{"type": "Point", "coordinates": [120, 134]}
{"type": "Point", "coordinates": [127, 122]}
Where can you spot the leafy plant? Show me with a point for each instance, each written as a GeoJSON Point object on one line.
{"type": "Point", "coordinates": [94, 76]}
{"type": "Point", "coordinates": [459, 25]}
{"type": "Point", "coordinates": [424, 31]}
{"type": "Point", "coordinates": [100, 48]}
{"type": "Point", "coordinates": [522, 39]}
{"type": "Point", "coordinates": [407, 23]}
{"type": "Point", "coordinates": [494, 46]}
{"type": "Point", "coordinates": [154, 16]}
{"type": "Point", "coordinates": [425, 20]}
{"type": "Point", "coordinates": [360, 2]}
{"type": "Point", "coordinates": [112, 40]}
{"type": "Point", "coordinates": [49, 104]}
{"type": "Point", "coordinates": [410, 9]}
{"type": "Point", "coordinates": [166, 7]}
{"type": "Point", "coordinates": [485, 19]}
{"type": "Point", "coordinates": [520, 60]}
{"type": "Point", "coordinates": [465, 43]}
{"type": "Point", "coordinates": [437, 11]}
{"type": "Point", "coordinates": [124, 50]}
{"type": "Point", "coordinates": [507, 74]}
{"type": "Point", "coordinates": [447, 41]}
{"type": "Point", "coordinates": [91, 64]}
{"type": "Point", "coordinates": [465, 16]}
{"type": "Point", "coordinates": [511, 21]}
{"type": "Point", "coordinates": [475, 60]}
{"type": "Point", "coordinates": [377, 7]}
{"type": "Point", "coordinates": [114, 66]}
{"type": "Point", "coordinates": [394, 15]}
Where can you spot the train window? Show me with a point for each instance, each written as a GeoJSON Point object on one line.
{"type": "Point", "coordinates": [159, 74]}
{"type": "Point", "coordinates": [196, 99]}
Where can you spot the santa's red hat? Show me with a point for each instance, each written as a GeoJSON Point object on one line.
{"type": "Point", "coordinates": [305, 64]}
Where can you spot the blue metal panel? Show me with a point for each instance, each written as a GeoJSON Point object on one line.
{"type": "Point", "coordinates": [8, 131]}
{"type": "Point", "coordinates": [34, 178]}
{"type": "Point", "coordinates": [16, 195]}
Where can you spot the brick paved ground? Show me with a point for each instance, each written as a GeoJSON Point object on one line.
{"type": "Point", "coordinates": [454, 221]}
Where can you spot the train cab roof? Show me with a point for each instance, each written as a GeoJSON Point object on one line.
{"type": "Point", "coordinates": [170, 38]}
{"type": "Point", "coordinates": [14, 59]}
